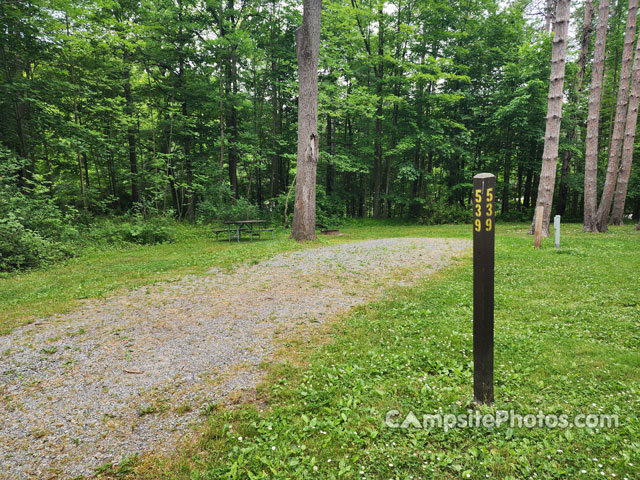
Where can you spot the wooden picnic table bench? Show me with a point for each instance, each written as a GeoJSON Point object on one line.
{"type": "Point", "coordinates": [235, 228]}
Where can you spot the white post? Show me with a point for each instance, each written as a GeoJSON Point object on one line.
{"type": "Point", "coordinates": [556, 227]}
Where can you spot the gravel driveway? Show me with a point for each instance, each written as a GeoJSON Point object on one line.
{"type": "Point", "coordinates": [132, 373]}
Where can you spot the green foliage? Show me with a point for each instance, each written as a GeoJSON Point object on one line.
{"type": "Point", "coordinates": [242, 209]}
{"type": "Point", "coordinates": [131, 230]}
{"type": "Point", "coordinates": [198, 118]}
{"type": "Point", "coordinates": [22, 249]}
{"type": "Point", "coordinates": [442, 213]}
{"type": "Point", "coordinates": [34, 232]}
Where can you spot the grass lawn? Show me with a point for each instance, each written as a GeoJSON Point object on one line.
{"type": "Point", "coordinates": [567, 342]}
{"type": "Point", "coordinates": [98, 272]}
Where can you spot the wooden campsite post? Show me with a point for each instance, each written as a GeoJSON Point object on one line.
{"type": "Point", "coordinates": [537, 233]}
{"type": "Point", "coordinates": [556, 227]}
{"type": "Point", "coordinates": [483, 268]}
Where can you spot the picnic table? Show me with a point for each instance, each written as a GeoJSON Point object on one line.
{"type": "Point", "coordinates": [235, 228]}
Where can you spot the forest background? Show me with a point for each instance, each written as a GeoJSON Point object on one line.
{"type": "Point", "coordinates": [120, 117]}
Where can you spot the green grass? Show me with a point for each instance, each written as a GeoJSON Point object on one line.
{"type": "Point", "coordinates": [567, 342]}
{"type": "Point", "coordinates": [98, 272]}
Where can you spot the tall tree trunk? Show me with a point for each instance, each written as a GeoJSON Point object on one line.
{"type": "Point", "coordinates": [75, 118]}
{"type": "Point", "coordinates": [189, 212]}
{"type": "Point", "coordinates": [507, 175]}
{"type": "Point", "coordinates": [627, 147]}
{"type": "Point", "coordinates": [377, 186]}
{"type": "Point", "coordinates": [131, 134]}
{"type": "Point", "coordinates": [330, 145]}
{"type": "Point", "coordinates": [307, 49]}
{"type": "Point", "coordinates": [593, 121]}
{"type": "Point", "coordinates": [548, 15]}
{"type": "Point", "coordinates": [397, 74]}
{"type": "Point", "coordinates": [554, 113]}
{"type": "Point", "coordinates": [222, 117]}
{"type": "Point", "coordinates": [19, 112]}
{"type": "Point", "coordinates": [620, 120]}
{"type": "Point", "coordinates": [519, 187]}
{"type": "Point", "coordinates": [230, 91]}
{"type": "Point", "coordinates": [528, 186]}
{"type": "Point", "coordinates": [233, 127]}
{"type": "Point", "coordinates": [418, 155]}
{"type": "Point", "coordinates": [275, 159]}
{"type": "Point", "coordinates": [585, 38]}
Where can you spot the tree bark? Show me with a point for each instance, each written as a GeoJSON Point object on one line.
{"type": "Point", "coordinates": [548, 15]}
{"type": "Point", "coordinates": [330, 145]}
{"type": "Point", "coordinates": [602, 216]}
{"type": "Point", "coordinates": [232, 118]}
{"type": "Point", "coordinates": [593, 121]}
{"type": "Point", "coordinates": [186, 134]}
{"type": "Point", "coordinates": [507, 174]}
{"type": "Point", "coordinates": [75, 118]}
{"type": "Point", "coordinates": [585, 37]}
{"type": "Point", "coordinates": [377, 186]}
{"type": "Point", "coordinates": [307, 50]}
{"type": "Point", "coordinates": [131, 134]}
{"type": "Point", "coordinates": [275, 159]}
{"type": "Point", "coordinates": [398, 72]}
{"type": "Point", "coordinates": [554, 113]}
{"type": "Point", "coordinates": [627, 147]}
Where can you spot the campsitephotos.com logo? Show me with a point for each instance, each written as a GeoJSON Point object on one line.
{"type": "Point", "coordinates": [498, 419]}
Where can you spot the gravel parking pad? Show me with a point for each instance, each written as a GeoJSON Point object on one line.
{"type": "Point", "coordinates": [133, 372]}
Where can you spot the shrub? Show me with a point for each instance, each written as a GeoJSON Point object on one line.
{"type": "Point", "coordinates": [211, 211]}
{"type": "Point", "coordinates": [21, 248]}
{"type": "Point", "coordinates": [131, 230]}
{"type": "Point", "coordinates": [441, 213]}
{"type": "Point", "coordinates": [33, 231]}
{"type": "Point", "coordinates": [149, 232]}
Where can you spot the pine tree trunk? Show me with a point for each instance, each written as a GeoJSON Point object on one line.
{"type": "Point", "coordinates": [585, 37]}
{"type": "Point", "coordinates": [548, 15]}
{"type": "Point", "coordinates": [627, 147]}
{"type": "Point", "coordinates": [585, 40]}
{"type": "Point", "coordinates": [620, 120]}
{"type": "Point", "coordinates": [554, 113]}
{"type": "Point", "coordinates": [307, 49]}
{"type": "Point", "coordinates": [593, 120]}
